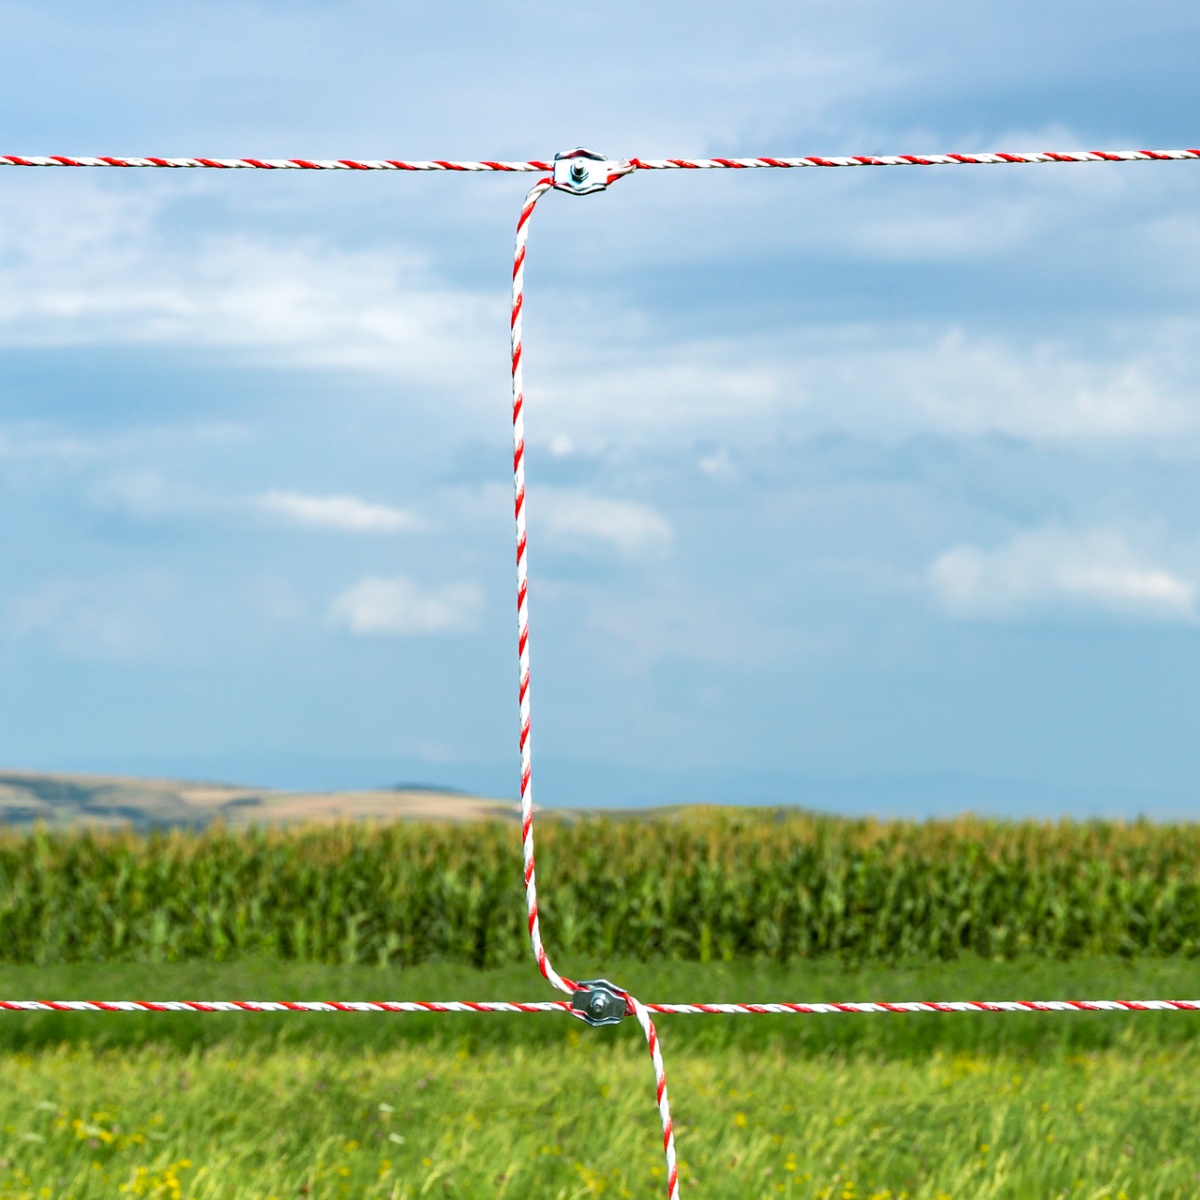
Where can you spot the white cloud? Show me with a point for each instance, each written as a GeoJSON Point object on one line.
{"type": "Point", "coordinates": [672, 620]}
{"type": "Point", "coordinates": [962, 385]}
{"type": "Point", "coordinates": [717, 464]}
{"type": "Point", "coordinates": [660, 386]}
{"type": "Point", "coordinates": [27, 444]}
{"type": "Point", "coordinates": [89, 267]}
{"type": "Point", "coordinates": [1049, 568]}
{"type": "Point", "coordinates": [959, 231]}
{"type": "Point", "coordinates": [146, 495]}
{"type": "Point", "coordinates": [400, 606]}
{"type": "Point", "coordinates": [118, 619]}
{"type": "Point", "coordinates": [343, 514]}
{"type": "Point", "coordinates": [571, 518]}
{"type": "Point", "coordinates": [890, 379]}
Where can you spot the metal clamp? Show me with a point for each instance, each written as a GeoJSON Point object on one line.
{"type": "Point", "coordinates": [599, 1002]}
{"type": "Point", "coordinates": [582, 172]}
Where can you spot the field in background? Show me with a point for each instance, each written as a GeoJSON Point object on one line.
{"type": "Point", "coordinates": [693, 885]}
{"type": "Point", "coordinates": [959, 1107]}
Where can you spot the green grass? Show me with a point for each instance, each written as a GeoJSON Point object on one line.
{"type": "Point", "coordinates": [893, 1036]}
{"type": "Point", "coordinates": [580, 1121]}
{"type": "Point", "coordinates": [966, 1107]}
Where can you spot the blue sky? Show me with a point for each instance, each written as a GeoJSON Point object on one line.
{"type": "Point", "coordinates": [871, 490]}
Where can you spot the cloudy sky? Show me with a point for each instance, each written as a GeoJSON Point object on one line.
{"type": "Point", "coordinates": [875, 490]}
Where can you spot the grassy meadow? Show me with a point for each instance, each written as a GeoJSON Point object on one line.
{"type": "Point", "coordinates": [929, 1107]}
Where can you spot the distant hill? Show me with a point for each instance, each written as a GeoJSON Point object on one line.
{"type": "Point", "coordinates": [111, 802]}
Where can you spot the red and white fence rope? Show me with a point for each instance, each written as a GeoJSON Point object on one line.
{"type": "Point", "coordinates": [612, 170]}
{"type": "Point", "coordinates": [274, 164]}
{"type": "Point", "coordinates": [872, 1007]}
{"type": "Point", "coordinates": [636, 164]}
{"type": "Point", "coordinates": [916, 160]}
{"type": "Point", "coordinates": [410, 1007]}
{"type": "Point", "coordinates": [535, 193]}
{"type": "Point", "coordinates": [284, 1006]}
{"type": "Point", "coordinates": [638, 1009]}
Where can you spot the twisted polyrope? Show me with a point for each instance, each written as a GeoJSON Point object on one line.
{"type": "Point", "coordinates": [631, 164]}
{"type": "Point", "coordinates": [872, 1007]}
{"type": "Point", "coordinates": [640, 1010]}
{"type": "Point", "coordinates": [274, 164]}
{"type": "Point", "coordinates": [285, 1006]}
{"type": "Point", "coordinates": [916, 160]}
{"type": "Point", "coordinates": [660, 1088]}
{"type": "Point", "coordinates": [535, 193]}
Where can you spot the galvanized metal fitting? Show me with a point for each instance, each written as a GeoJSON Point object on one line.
{"type": "Point", "coordinates": [599, 1002]}
{"type": "Point", "coordinates": [582, 172]}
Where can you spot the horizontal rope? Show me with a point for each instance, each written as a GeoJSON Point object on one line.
{"type": "Point", "coordinates": [928, 1006]}
{"type": "Point", "coordinates": [273, 164]}
{"type": "Point", "coordinates": [285, 1006]}
{"type": "Point", "coordinates": [868, 1008]}
{"type": "Point", "coordinates": [630, 164]}
{"type": "Point", "coordinates": [916, 160]}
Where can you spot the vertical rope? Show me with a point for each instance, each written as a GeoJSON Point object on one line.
{"type": "Point", "coordinates": [660, 1086]}
{"type": "Point", "coordinates": [535, 193]}
{"type": "Point", "coordinates": [535, 936]}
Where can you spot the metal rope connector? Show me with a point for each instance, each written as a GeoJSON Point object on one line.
{"type": "Point", "coordinates": [582, 172]}
{"type": "Point", "coordinates": [599, 1002]}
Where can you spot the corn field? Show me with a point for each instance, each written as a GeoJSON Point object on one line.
{"type": "Point", "coordinates": [692, 886]}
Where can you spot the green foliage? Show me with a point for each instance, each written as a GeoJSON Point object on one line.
{"type": "Point", "coordinates": [696, 886]}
